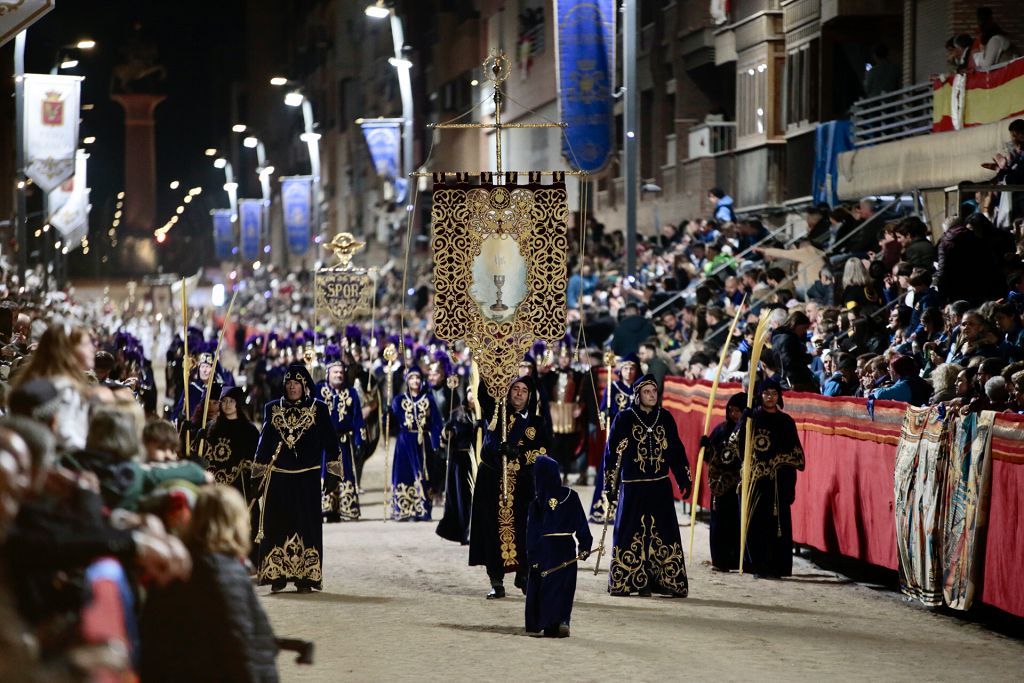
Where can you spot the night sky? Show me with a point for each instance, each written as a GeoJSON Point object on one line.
{"type": "Point", "coordinates": [200, 44]}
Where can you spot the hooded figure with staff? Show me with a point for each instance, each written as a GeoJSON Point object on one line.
{"type": "Point", "coordinates": [770, 463]}
{"type": "Point", "coordinates": [555, 516]}
{"type": "Point", "coordinates": [341, 493]}
{"type": "Point", "coordinates": [618, 396]}
{"type": "Point", "coordinates": [419, 436]}
{"type": "Point", "coordinates": [298, 436]}
{"type": "Point", "coordinates": [647, 555]}
{"type": "Point", "coordinates": [516, 436]}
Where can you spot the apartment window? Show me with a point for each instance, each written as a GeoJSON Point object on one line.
{"type": "Point", "coordinates": [752, 100]}
{"type": "Point", "coordinates": [801, 75]}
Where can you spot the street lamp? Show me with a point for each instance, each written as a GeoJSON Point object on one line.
{"type": "Point", "coordinates": [294, 99]}
{"type": "Point", "coordinates": [64, 60]}
{"type": "Point", "coordinates": [403, 67]}
{"type": "Point", "coordinates": [238, 128]}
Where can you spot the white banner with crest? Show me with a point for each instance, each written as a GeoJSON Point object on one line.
{"type": "Point", "coordinates": [51, 128]}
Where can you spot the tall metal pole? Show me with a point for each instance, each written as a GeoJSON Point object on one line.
{"type": "Point", "coordinates": [21, 217]}
{"type": "Point", "coordinates": [313, 145]}
{"type": "Point", "coordinates": [405, 88]}
{"type": "Point", "coordinates": [631, 122]}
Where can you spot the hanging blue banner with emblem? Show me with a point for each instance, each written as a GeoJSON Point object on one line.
{"type": "Point", "coordinates": [296, 205]}
{"type": "Point", "coordinates": [223, 237]}
{"type": "Point", "coordinates": [250, 213]}
{"type": "Point", "coordinates": [384, 138]}
{"type": "Point", "coordinates": [585, 38]}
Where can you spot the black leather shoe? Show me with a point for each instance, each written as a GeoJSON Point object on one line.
{"type": "Point", "coordinates": [278, 586]}
{"type": "Point", "coordinates": [497, 592]}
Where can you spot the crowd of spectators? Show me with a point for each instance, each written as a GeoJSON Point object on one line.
{"type": "Point", "coordinates": [118, 558]}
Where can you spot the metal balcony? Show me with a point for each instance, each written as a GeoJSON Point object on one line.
{"type": "Point", "coordinates": [894, 115]}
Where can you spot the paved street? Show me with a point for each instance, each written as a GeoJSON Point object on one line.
{"type": "Point", "coordinates": [399, 603]}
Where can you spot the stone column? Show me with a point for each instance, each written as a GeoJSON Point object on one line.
{"type": "Point", "coordinates": [138, 251]}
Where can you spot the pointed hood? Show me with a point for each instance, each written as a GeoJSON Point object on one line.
{"type": "Point", "coordinates": [547, 482]}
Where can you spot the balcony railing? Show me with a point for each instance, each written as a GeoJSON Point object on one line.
{"type": "Point", "coordinates": [711, 138]}
{"type": "Point", "coordinates": [893, 115]}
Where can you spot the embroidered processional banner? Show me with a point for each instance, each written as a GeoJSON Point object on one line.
{"type": "Point", "coordinates": [918, 489]}
{"type": "Point", "coordinates": [499, 267]}
{"type": "Point", "coordinates": [968, 482]}
{"type": "Point", "coordinates": [343, 290]}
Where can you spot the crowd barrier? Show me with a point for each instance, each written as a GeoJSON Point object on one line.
{"type": "Point", "coordinates": [845, 500]}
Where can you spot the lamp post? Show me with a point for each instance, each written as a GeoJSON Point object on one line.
{"type": "Point", "coordinates": [403, 67]}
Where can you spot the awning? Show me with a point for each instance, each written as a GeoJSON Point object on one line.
{"type": "Point", "coordinates": [922, 162]}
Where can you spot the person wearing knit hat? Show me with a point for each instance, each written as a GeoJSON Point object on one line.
{"type": "Point", "coordinates": [419, 436]}
{"type": "Point", "coordinates": [643, 449]}
{"type": "Point", "coordinates": [724, 465]}
{"type": "Point", "coordinates": [621, 398]}
{"type": "Point", "coordinates": [341, 489]}
{"type": "Point", "coordinates": [297, 438]}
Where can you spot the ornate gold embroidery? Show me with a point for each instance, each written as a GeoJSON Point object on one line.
{"type": "Point", "coordinates": [408, 501]}
{"type": "Point", "coordinates": [291, 561]}
{"type": "Point", "coordinates": [292, 423]}
{"type": "Point", "coordinates": [462, 218]}
{"type": "Point", "coordinates": [621, 401]}
{"type": "Point", "coordinates": [343, 501]}
{"type": "Point", "coordinates": [334, 467]}
{"type": "Point", "coordinates": [220, 451]}
{"type": "Point", "coordinates": [531, 456]}
{"type": "Point", "coordinates": [650, 447]}
{"type": "Point", "coordinates": [226, 475]}
{"type": "Point", "coordinates": [416, 413]}
{"type": "Point", "coordinates": [506, 518]}
{"type": "Point", "coordinates": [531, 433]}
{"type": "Point", "coordinates": [647, 557]}
{"type": "Point", "coordinates": [552, 503]}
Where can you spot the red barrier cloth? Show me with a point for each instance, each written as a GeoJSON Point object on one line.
{"type": "Point", "coordinates": [844, 499]}
{"type": "Point", "coordinates": [1002, 585]}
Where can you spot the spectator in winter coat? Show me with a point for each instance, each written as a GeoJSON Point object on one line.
{"type": "Point", "coordinates": [907, 385]}
{"type": "Point", "coordinates": [632, 329]}
{"type": "Point", "coordinates": [790, 345]}
{"type": "Point", "coordinates": [912, 234]}
{"type": "Point", "coordinates": [971, 262]}
{"type": "Point", "coordinates": [211, 627]}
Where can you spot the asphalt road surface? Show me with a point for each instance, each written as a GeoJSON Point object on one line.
{"type": "Point", "coordinates": [401, 604]}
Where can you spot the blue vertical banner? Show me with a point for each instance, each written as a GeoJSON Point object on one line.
{"type": "Point", "coordinates": [384, 138]}
{"type": "Point", "coordinates": [223, 234]}
{"type": "Point", "coordinates": [831, 139]}
{"type": "Point", "coordinates": [585, 38]}
{"type": "Point", "coordinates": [250, 213]}
{"type": "Point", "coordinates": [296, 206]}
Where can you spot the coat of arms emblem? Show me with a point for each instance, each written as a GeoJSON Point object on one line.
{"type": "Point", "coordinates": [53, 109]}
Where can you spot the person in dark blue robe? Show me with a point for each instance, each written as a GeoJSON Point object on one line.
{"type": "Point", "coordinates": [777, 456]}
{"type": "Point", "coordinates": [196, 390]}
{"type": "Point", "coordinates": [459, 439]}
{"type": "Point", "coordinates": [419, 435]}
{"type": "Point", "coordinates": [647, 556]}
{"type": "Point", "coordinates": [297, 437]}
{"type": "Point", "coordinates": [340, 490]}
{"type": "Point", "coordinates": [555, 515]}
{"type": "Point", "coordinates": [724, 464]}
{"type": "Point", "coordinates": [621, 398]}
{"type": "Point", "coordinates": [497, 536]}
{"type": "Point", "coordinates": [231, 442]}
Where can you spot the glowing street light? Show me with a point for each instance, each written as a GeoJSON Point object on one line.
{"type": "Point", "coordinates": [86, 44]}
{"type": "Point", "coordinates": [210, 152]}
{"type": "Point", "coordinates": [250, 142]}
{"type": "Point", "coordinates": [377, 11]}
{"type": "Point", "coordinates": [399, 62]}
{"type": "Point", "coordinates": [69, 64]}
{"type": "Point", "coordinates": [89, 140]}
{"type": "Point", "coordinates": [309, 137]}
{"type": "Point", "coordinates": [175, 184]}
{"type": "Point", "coordinates": [220, 162]}
{"type": "Point", "coordinates": [238, 128]}
{"type": "Point", "coordinates": [278, 81]}
{"type": "Point", "coordinates": [294, 99]}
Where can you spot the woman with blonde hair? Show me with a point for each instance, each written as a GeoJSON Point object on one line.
{"type": "Point", "coordinates": [64, 355]}
{"type": "Point", "coordinates": [943, 380]}
{"type": "Point", "coordinates": [212, 627]}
